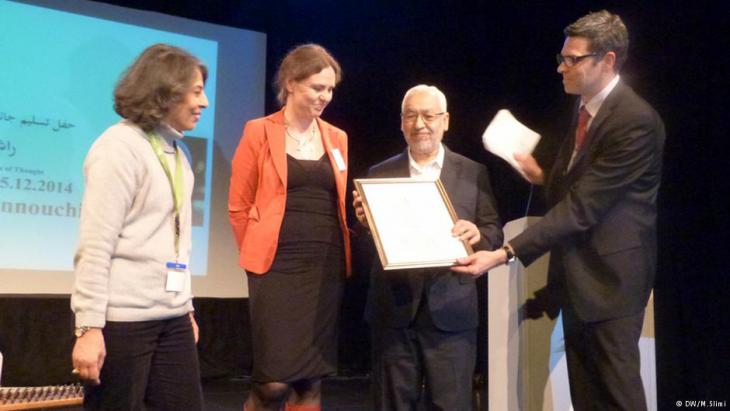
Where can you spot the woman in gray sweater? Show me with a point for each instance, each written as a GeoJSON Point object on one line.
{"type": "Point", "coordinates": [135, 330]}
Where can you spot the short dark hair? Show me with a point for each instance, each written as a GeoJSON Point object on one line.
{"type": "Point", "coordinates": [155, 83]}
{"type": "Point", "coordinates": [300, 63]}
{"type": "Point", "coordinates": [605, 32]}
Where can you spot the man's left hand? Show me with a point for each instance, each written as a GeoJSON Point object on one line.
{"type": "Point", "coordinates": [466, 231]}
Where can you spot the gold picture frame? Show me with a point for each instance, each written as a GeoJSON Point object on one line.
{"type": "Point", "coordinates": [411, 221]}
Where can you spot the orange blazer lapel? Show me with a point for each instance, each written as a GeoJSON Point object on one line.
{"type": "Point", "coordinates": [275, 134]}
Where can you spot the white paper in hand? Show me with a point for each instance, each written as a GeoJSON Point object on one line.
{"type": "Point", "coordinates": [506, 136]}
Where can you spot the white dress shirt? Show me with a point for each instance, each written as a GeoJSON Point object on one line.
{"type": "Point", "coordinates": [430, 170]}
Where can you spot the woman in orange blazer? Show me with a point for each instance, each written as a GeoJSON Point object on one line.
{"type": "Point", "coordinates": [287, 208]}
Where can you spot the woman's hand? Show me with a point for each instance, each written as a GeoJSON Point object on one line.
{"type": "Point", "coordinates": [88, 355]}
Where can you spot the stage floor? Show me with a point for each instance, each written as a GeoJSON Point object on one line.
{"type": "Point", "coordinates": [338, 394]}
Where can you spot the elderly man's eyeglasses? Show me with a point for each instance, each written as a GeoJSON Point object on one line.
{"type": "Point", "coordinates": [412, 116]}
{"type": "Point", "coordinates": [571, 61]}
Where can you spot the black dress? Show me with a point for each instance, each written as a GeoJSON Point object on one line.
{"type": "Point", "coordinates": [294, 306]}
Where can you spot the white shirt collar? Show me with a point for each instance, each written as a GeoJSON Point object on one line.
{"type": "Point", "coordinates": [594, 104]}
{"type": "Point", "coordinates": [431, 170]}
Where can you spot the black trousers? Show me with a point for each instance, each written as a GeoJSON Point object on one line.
{"type": "Point", "coordinates": [150, 365]}
{"type": "Point", "coordinates": [603, 363]}
{"type": "Point", "coordinates": [405, 360]}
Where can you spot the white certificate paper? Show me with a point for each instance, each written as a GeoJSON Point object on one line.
{"type": "Point", "coordinates": [411, 222]}
{"type": "Point", "coordinates": [506, 136]}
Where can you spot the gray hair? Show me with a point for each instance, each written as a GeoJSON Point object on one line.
{"type": "Point", "coordinates": [605, 32]}
{"type": "Point", "coordinates": [432, 90]}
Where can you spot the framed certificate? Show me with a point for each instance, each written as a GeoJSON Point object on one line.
{"type": "Point", "coordinates": [411, 222]}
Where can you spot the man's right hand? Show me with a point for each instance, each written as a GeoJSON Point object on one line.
{"type": "Point", "coordinates": [359, 210]}
{"type": "Point", "coordinates": [480, 262]}
{"type": "Point", "coordinates": [88, 355]}
{"type": "Point", "coordinates": [530, 169]}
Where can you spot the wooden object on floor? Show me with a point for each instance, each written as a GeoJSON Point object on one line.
{"type": "Point", "coordinates": [33, 398]}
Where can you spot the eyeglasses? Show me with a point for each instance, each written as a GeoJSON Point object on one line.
{"type": "Point", "coordinates": [571, 61]}
{"type": "Point", "coordinates": [412, 116]}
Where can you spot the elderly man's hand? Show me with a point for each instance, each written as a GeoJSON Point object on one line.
{"type": "Point", "coordinates": [532, 171]}
{"type": "Point", "coordinates": [359, 210]}
{"type": "Point", "coordinates": [466, 231]}
{"type": "Point", "coordinates": [480, 262]}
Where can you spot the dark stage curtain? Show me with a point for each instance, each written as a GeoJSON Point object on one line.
{"type": "Point", "coordinates": [224, 347]}
{"type": "Point", "coordinates": [36, 339]}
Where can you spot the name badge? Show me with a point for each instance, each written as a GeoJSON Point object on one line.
{"type": "Point", "coordinates": [177, 274]}
{"type": "Point", "coordinates": [338, 159]}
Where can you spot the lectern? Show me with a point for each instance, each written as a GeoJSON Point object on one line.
{"type": "Point", "coordinates": [527, 369]}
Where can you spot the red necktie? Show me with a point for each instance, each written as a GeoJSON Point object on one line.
{"type": "Point", "coordinates": [580, 132]}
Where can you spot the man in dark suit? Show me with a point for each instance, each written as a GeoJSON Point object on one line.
{"type": "Point", "coordinates": [424, 322]}
{"type": "Point", "coordinates": [601, 225]}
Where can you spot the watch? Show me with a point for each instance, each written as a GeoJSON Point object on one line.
{"type": "Point", "coordinates": [510, 254]}
{"type": "Point", "coordinates": [80, 331]}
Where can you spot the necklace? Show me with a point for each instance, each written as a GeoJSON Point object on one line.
{"type": "Point", "coordinates": [305, 147]}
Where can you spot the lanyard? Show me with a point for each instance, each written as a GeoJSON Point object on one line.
{"type": "Point", "coordinates": [176, 184]}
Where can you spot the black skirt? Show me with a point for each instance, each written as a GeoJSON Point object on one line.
{"type": "Point", "coordinates": [294, 311]}
{"type": "Point", "coordinates": [295, 305]}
